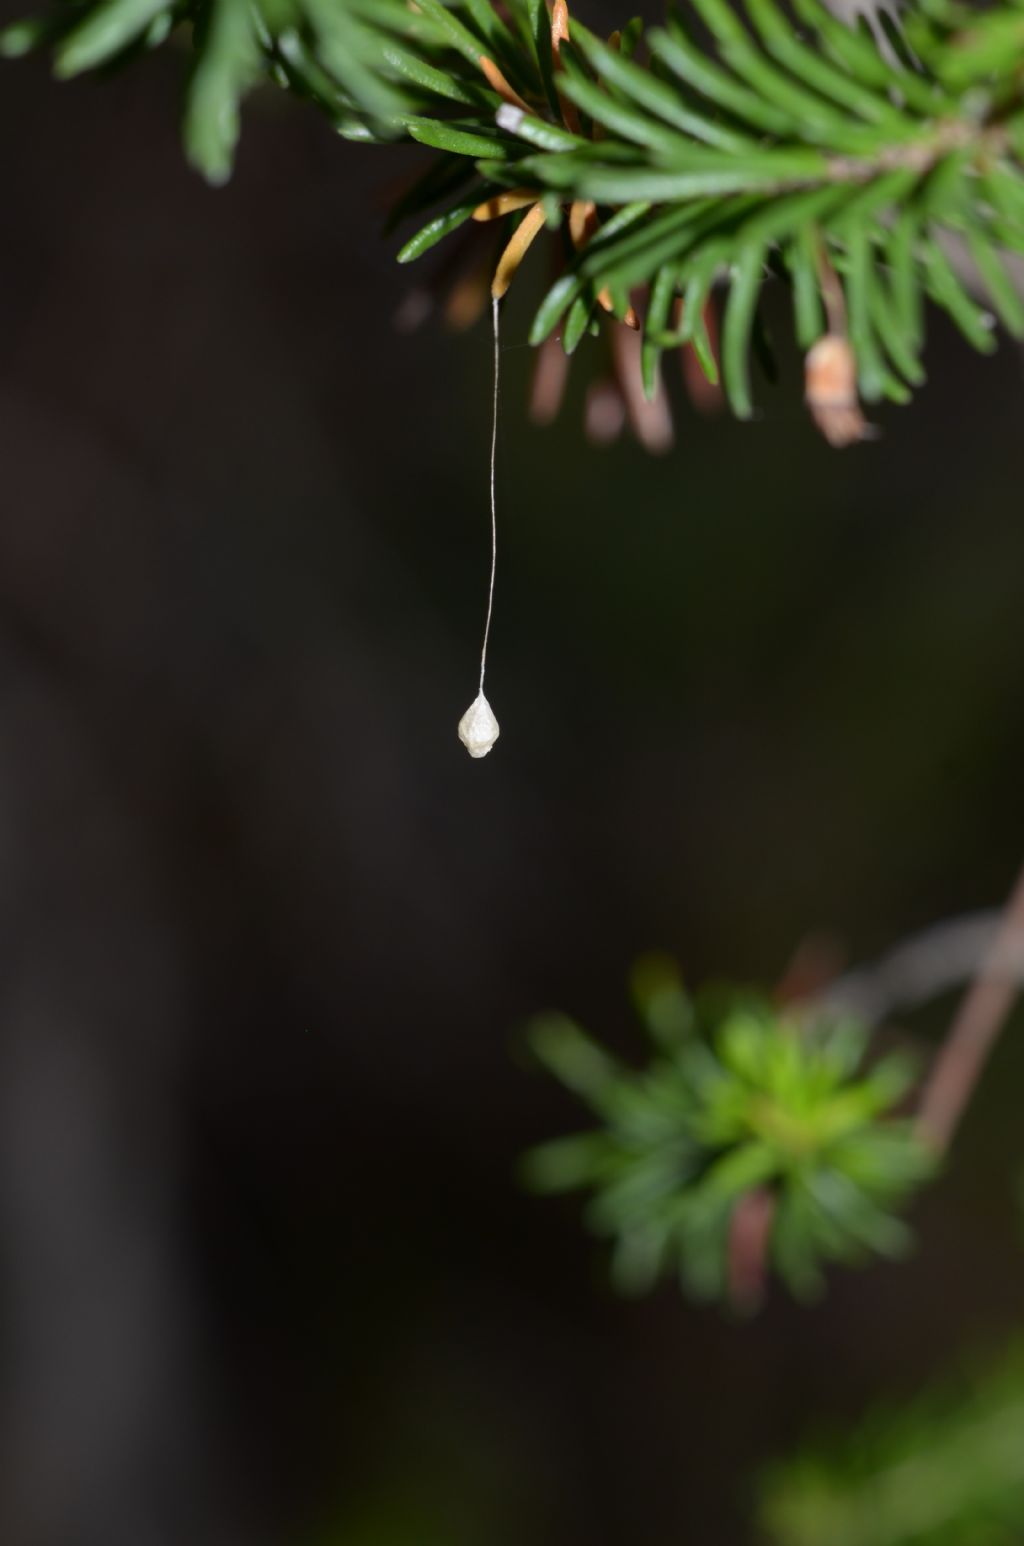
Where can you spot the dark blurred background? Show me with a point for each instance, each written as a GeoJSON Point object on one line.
{"type": "Point", "coordinates": [268, 934]}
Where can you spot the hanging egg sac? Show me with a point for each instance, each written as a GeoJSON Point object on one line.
{"type": "Point", "coordinates": [478, 728]}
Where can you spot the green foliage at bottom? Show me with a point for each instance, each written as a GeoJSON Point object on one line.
{"type": "Point", "coordinates": [946, 1471]}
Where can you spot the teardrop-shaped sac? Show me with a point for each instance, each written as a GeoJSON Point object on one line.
{"type": "Point", "coordinates": [478, 728]}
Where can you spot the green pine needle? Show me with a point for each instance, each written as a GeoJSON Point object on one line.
{"type": "Point", "coordinates": [865, 179]}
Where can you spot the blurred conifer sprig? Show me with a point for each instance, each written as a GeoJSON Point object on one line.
{"type": "Point", "coordinates": [738, 1099]}
{"type": "Point", "coordinates": [946, 1470]}
{"type": "Point", "coordinates": [733, 145]}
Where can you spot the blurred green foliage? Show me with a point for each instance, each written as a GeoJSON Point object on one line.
{"type": "Point", "coordinates": [947, 1470]}
{"type": "Point", "coordinates": [739, 1098]}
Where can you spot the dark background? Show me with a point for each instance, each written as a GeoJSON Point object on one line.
{"type": "Point", "coordinates": [267, 934]}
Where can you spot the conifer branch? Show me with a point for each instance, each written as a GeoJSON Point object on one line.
{"type": "Point", "coordinates": [765, 144]}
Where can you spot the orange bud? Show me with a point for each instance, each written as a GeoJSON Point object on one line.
{"type": "Point", "coordinates": [830, 379]}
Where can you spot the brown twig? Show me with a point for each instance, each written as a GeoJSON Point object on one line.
{"type": "Point", "coordinates": [831, 289]}
{"type": "Point", "coordinates": [975, 1028]}
{"type": "Point", "coordinates": [750, 1231]}
{"type": "Point", "coordinates": [944, 1097]}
